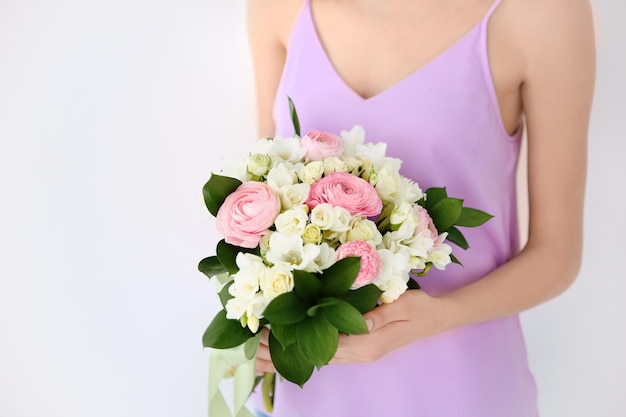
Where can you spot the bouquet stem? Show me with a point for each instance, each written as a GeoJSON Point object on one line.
{"type": "Point", "coordinates": [267, 390]}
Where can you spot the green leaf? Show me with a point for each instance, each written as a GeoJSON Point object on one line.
{"type": "Point", "coordinates": [345, 318]}
{"type": "Point", "coordinates": [455, 260]}
{"type": "Point", "coordinates": [363, 299]}
{"type": "Point", "coordinates": [290, 363]}
{"type": "Point", "coordinates": [317, 339]}
{"type": "Point", "coordinates": [284, 333]}
{"type": "Point", "coordinates": [445, 213]}
{"type": "Point", "coordinates": [434, 195]}
{"type": "Point", "coordinates": [455, 236]}
{"type": "Point", "coordinates": [224, 294]}
{"type": "Point", "coordinates": [216, 189]}
{"type": "Point", "coordinates": [224, 333]}
{"type": "Point", "coordinates": [294, 116]}
{"type": "Point", "coordinates": [338, 278]}
{"type": "Point", "coordinates": [211, 266]}
{"type": "Point", "coordinates": [306, 284]}
{"type": "Point", "coordinates": [328, 301]}
{"type": "Point", "coordinates": [227, 255]}
{"type": "Point", "coordinates": [287, 308]}
{"type": "Point", "coordinates": [472, 217]}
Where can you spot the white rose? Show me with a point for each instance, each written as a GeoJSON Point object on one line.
{"type": "Point", "coordinates": [354, 165]}
{"type": "Point", "coordinates": [295, 195]}
{"type": "Point", "coordinates": [312, 234]}
{"type": "Point", "coordinates": [291, 221]}
{"type": "Point", "coordinates": [311, 172]}
{"type": "Point", "coordinates": [323, 216]}
{"type": "Point", "coordinates": [275, 281]}
{"type": "Point", "coordinates": [364, 229]}
{"type": "Point", "coordinates": [334, 164]}
{"type": "Point", "coordinates": [258, 164]}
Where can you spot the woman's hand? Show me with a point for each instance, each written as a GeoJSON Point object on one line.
{"type": "Point", "coordinates": [263, 361]}
{"type": "Point", "coordinates": [413, 316]}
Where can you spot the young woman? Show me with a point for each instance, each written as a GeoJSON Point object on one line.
{"type": "Point", "coordinates": [450, 86]}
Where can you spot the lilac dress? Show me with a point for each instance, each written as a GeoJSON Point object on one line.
{"type": "Point", "coordinates": [444, 122]}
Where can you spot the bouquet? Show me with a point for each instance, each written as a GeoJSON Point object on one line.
{"type": "Point", "coordinates": [318, 229]}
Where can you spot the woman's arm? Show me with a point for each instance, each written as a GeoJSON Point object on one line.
{"type": "Point", "coordinates": [557, 90]}
{"type": "Point", "coordinates": [269, 28]}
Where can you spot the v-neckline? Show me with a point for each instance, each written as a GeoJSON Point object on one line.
{"type": "Point", "coordinates": [401, 81]}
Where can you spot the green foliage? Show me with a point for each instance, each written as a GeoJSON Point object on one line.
{"type": "Point", "coordinates": [224, 295]}
{"type": "Point", "coordinates": [307, 285]}
{"type": "Point", "coordinates": [294, 116]}
{"type": "Point", "coordinates": [224, 333]}
{"type": "Point", "coordinates": [216, 189]}
{"type": "Point", "coordinates": [317, 340]}
{"type": "Point", "coordinates": [344, 317]}
{"type": "Point", "coordinates": [363, 299]}
{"type": "Point", "coordinates": [290, 362]}
{"type": "Point", "coordinates": [337, 279]}
{"type": "Point", "coordinates": [211, 266]}
{"type": "Point", "coordinates": [471, 217]}
{"type": "Point", "coordinates": [287, 308]}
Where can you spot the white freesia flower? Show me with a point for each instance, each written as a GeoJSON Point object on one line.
{"type": "Point", "coordinates": [286, 149]}
{"type": "Point", "coordinates": [388, 182]}
{"type": "Point", "coordinates": [295, 195]}
{"type": "Point", "coordinates": [400, 214]}
{"type": "Point", "coordinates": [264, 243]}
{"type": "Point", "coordinates": [352, 139]}
{"type": "Point", "coordinates": [291, 250]}
{"type": "Point", "coordinates": [334, 164]}
{"type": "Point", "coordinates": [275, 281]}
{"type": "Point", "coordinates": [235, 168]}
{"type": "Point", "coordinates": [440, 255]}
{"type": "Point", "coordinates": [364, 229]}
{"type": "Point", "coordinates": [280, 177]}
{"type": "Point", "coordinates": [374, 152]}
{"type": "Point", "coordinates": [393, 276]}
{"type": "Point", "coordinates": [292, 221]}
{"type": "Point", "coordinates": [262, 146]}
{"type": "Point", "coordinates": [325, 258]}
{"type": "Point", "coordinates": [246, 280]}
{"type": "Point", "coordinates": [324, 216]}
{"type": "Point", "coordinates": [311, 172]}
{"type": "Point", "coordinates": [411, 190]}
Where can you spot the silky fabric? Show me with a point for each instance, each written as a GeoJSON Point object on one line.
{"type": "Point", "coordinates": [444, 122]}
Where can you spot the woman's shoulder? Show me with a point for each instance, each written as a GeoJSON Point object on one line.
{"type": "Point", "coordinates": [275, 16]}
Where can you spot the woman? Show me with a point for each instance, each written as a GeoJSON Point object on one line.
{"type": "Point", "coordinates": [450, 85]}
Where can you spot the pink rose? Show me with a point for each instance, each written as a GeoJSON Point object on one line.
{"type": "Point", "coordinates": [247, 214]}
{"type": "Point", "coordinates": [424, 223]}
{"type": "Point", "coordinates": [340, 189]}
{"type": "Point", "coordinates": [371, 263]}
{"type": "Point", "coordinates": [321, 145]}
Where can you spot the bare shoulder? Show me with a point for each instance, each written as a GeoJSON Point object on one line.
{"type": "Point", "coordinates": [273, 17]}
{"type": "Point", "coordinates": [550, 30]}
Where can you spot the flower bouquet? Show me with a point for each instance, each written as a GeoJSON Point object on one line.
{"type": "Point", "coordinates": [318, 229]}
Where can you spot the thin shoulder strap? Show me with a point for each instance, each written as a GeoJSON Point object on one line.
{"type": "Point", "coordinates": [493, 7]}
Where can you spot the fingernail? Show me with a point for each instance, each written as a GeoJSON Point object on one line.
{"type": "Point", "coordinates": [369, 323]}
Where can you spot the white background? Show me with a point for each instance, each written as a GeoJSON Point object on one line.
{"type": "Point", "coordinates": [112, 115]}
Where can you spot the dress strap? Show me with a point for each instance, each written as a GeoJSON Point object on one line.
{"type": "Point", "coordinates": [493, 7]}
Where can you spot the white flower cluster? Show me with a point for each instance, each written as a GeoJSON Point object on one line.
{"type": "Point", "coordinates": [306, 239]}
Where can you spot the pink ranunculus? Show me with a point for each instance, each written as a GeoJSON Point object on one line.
{"type": "Point", "coordinates": [425, 223]}
{"type": "Point", "coordinates": [340, 189]}
{"type": "Point", "coordinates": [371, 264]}
{"type": "Point", "coordinates": [247, 214]}
{"type": "Point", "coordinates": [321, 145]}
